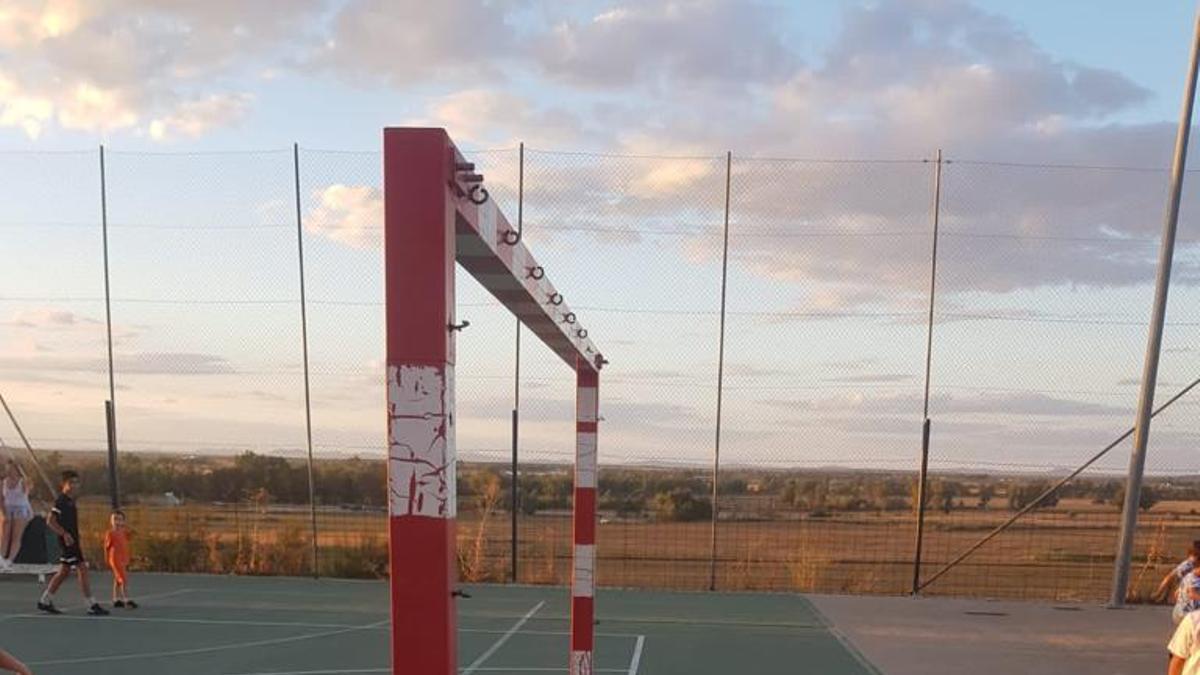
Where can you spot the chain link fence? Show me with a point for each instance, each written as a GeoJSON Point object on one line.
{"type": "Point", "coordinates": [777, 311]}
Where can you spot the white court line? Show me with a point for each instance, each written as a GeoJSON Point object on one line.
{"type": "Point", "coordinates": [279, 624]}
{"type": "Point", "coordinates": [205, 650]}
{"type": "Point", "coordinates": [637, 655]}
{"type": "Point", "coordinates": [503, 638]}
{"type": "Point", "coordinates": [159, 596]}
{"type": "Point", "coordinates": [156, 596]}
{"type": "Point", "coordinates": [487, 669]}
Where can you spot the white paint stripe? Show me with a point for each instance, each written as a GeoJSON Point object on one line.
{"type": "Point", "coordinates": [207, 650]}
{"type": "Point", "coordinates": [503, 639]}
{"type": "Point", "coordinates": [583, 582]}
{"type": "Point", "coordinates": [587, 402]}
{"type": "Point", "coordinates": [585, 459]}
{"type": "Point", "coordinates": [421, 441]}
{"type": "Point", "coordinates": [637, 655]}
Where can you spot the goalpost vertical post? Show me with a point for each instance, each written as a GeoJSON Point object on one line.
{"type": "Point", "coordinates": [583, 578]}
{"type": "Point", "coordinates": [420, 262]}
{"type": "Point", "coordinates": [437, 214]}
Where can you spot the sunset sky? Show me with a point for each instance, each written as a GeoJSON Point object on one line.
{"type": "Point", "coordinates": [1057, 118]}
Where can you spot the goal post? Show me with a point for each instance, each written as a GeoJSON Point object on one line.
{"type": "Point", "coordinates": [437, 213]}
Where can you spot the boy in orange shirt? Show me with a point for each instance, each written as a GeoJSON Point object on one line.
{"type": "Point", "coordinates": [116, 553]}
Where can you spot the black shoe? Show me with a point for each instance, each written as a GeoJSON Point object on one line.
{"type": "Point", "coordinates": [97, 610]}
{"type": "Point", "coordinates": [48, 607]}
{"type": "Point", "coordinates": [118, 603]}
{"type": "Point", "coordinates": [131, 604]}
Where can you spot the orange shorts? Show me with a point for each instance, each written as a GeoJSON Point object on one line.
{"type": "Point", "coordinates": [118, 570]}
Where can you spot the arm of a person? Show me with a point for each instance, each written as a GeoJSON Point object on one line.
{"type": "Point", "coordinates": [52, 523]}
{"type": "Point", "coordinates": [1175, 667]}
{"type": "Point", "coordinates": [1165, 586]}
{"type": "Point", "coordinates": [10, 662]}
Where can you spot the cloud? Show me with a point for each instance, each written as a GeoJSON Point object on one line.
{"type": "Point", "coordinates": [403, 42]}
{"type": "Point", "coordinates": [141, 363]}
{"type": "Point", "coordinates": [349, 214]}
{"type": "Point", "coordinates": [480, 116]}
{"type": "Point", "coordinates": [194, 118]}
{"type": "Point", "coordinates": [50, 318]}
{"type": "Point", "coordinates": [107, 65]}
{"type": "Point", "coordinates": [671, 42]}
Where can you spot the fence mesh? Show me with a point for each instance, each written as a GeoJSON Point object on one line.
{"type": "Point", "coordinates": [1043, 287]}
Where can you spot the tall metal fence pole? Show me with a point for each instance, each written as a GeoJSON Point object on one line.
{"type": "Point", "coordinates": [312, 491]}
{"type": "Point", "coordinates": [716, 474]}
{"type": "Point", "coordinates": [516, 413]}
{"type": "Point", "coordinates": [923, 478]}
{"type": "Point", "coordinates": [110, 418]}
{"type": "Point", "coordinates": [1137, 461]}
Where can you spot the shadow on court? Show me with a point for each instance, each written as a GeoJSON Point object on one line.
{"type": "Point", "coordinates": [192, 625]}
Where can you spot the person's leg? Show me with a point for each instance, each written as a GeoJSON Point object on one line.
{"type": "Point", "coordinates": [18, 532]}
{"type": "Point", "coordinates": [85, 585]}
{"type": "Point", "coordinates": [6, 533]}
{"type": "Point", "coordinates": [59, 577]}
{"type": "Point", "coordinates": [46, 602]}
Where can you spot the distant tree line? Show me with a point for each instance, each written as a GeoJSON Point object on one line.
{"type": "Point", "coordinates": [627, 492]}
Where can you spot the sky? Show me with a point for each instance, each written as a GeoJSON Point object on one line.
{"type": "Point", "coordinates": [1056, 119]}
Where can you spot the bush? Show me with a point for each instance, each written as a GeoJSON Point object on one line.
{"type": "Point", "coordinates": [680, 505]}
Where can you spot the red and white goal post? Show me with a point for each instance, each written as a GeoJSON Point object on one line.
{"type": "Point", "coordinates": [436, 213]}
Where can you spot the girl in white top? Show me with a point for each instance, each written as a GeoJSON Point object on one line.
{"type": "Point", "coordinates": [14, 490]}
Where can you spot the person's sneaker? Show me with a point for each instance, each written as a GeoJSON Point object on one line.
{"type": "Point", "coordinates": [97, 610]}
{"type": "Point", "coordinates": [118, 603]}
{"type": "Point", "coordinates": [131, 604]}
{"type": "Point", "coordinates": [48, 607]}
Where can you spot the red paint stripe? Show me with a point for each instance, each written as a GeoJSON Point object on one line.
{"type": "Point", "coordinates": [586, 427]}
{"type": "Point", "coordinates": [586, 375]}
{"type": "Point", "coordinates": [583, 616]}
{"type": "Point", "coordinates": [585, 515]}
{"type": "Point", "coordinates": [418, 246]}
{"type": "Point", "coordinates": [423, 618]}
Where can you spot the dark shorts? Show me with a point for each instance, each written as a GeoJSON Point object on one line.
{"type": "Point", "coordinates": [72, 555]}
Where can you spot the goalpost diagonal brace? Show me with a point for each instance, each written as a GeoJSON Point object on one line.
{"type": "Point", "coordinates": [492, 251]}
{"type": "Point", "coordinates": [1049, 491]}
{"type": "Point", "coordinates": [436, 214]}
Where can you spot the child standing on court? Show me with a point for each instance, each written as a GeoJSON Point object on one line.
{"type": "Point", "coordinates": [1181, 577]}
{"type": "Point", "coordinates": [64, 521]}
{"type": "Point", "coordinates": [116, 553]}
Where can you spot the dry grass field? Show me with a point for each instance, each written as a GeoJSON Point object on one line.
{"type": "Point", "coordinates": [1064, 553]}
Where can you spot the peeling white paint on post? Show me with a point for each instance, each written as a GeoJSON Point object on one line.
{"type": "Point", "coordinates": [421, 479]}
{"type": "Point", "coordinates": [581, 663]}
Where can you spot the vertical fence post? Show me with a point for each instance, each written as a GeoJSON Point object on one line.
{"type": "Point", "coordinates": [1137, 460]}
{"type": "Point", "coordinates": [516, 413]}
{"type": "Point", "coordinates": [923, 477]}
{"type": "Point", "coordinates": [716, 473]}
{"type": "Point", "coordinates": [114, 487]}
{"type": "Point", "coordinates": [312, 492]}
{"type": "Point", "coordinates": [110, 417]}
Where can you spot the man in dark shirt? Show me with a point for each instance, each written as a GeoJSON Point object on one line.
{"type": "Point", "coordinates": [64, 521]}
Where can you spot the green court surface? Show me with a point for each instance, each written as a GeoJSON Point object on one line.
{"type": "Point", "coordinates": [285, 626]}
